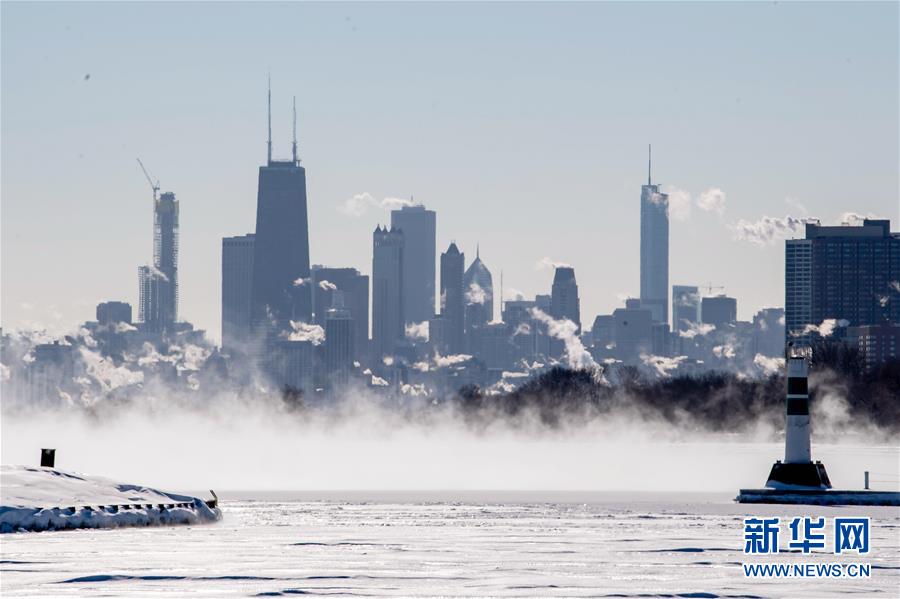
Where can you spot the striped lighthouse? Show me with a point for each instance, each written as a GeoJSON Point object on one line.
{"type": "Point", "coordinates": [798, 471]}
{"type": "Point", "coordinates": [796, 432]}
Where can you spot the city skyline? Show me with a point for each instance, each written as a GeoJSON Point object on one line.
{"type": "Point", "coordinates": [593, 225]}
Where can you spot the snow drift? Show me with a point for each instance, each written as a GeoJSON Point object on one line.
{"type": "Point", "coordinates": [37, 499]}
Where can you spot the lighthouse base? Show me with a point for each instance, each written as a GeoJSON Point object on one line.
{"type": "Point", "coordinates": [798, 476]}
{"type": "Point", "coordinates": [819, 497]}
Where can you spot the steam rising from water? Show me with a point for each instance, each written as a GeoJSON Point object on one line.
{"type": "Point", "coordinates": [367, 443]}
{"type": "Point", "coordinates": [206, 434]}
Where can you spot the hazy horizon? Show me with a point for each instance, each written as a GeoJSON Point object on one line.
{"type": "Point", "coordinates": [525, 126]}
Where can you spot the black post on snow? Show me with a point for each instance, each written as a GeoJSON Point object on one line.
{"type": "Point", "coordinates": [48, 458]}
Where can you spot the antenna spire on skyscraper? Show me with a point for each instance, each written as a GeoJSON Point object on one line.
{"type": "Point", "coordinates": [294, 145]}
{"type": "Point", "coordinates": [269, 144]}
{"type": "Point", "coordinates": [649, 160]}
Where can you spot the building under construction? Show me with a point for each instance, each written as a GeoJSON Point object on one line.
{"type": "Point", "coordinates": [158, 283]}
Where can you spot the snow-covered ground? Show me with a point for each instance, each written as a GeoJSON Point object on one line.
{"type": "Point", "coordinates": [37, 499]}
{"type": "Point", "coordinates": [450, 544]}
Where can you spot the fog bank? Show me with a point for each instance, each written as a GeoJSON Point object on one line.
{"type": "Point", "coordinates": [363, 447]}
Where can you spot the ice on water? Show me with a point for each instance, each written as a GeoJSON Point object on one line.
{"type": "Point", "coordinates": [499, 544]}
{"type": "Point", "coordinates": [40, 499]}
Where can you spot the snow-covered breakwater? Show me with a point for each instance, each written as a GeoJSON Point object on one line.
{"type": "Point", "coordinates": [38, 499]}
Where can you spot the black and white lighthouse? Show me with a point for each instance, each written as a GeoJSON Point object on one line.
{"type": "Point", "coordinates": [799, 480]}
{"type": "Point", "coordinates": [797, 471]}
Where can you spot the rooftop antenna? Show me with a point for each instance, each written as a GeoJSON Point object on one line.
{"type": "Point", "coordinates": [269, 161]}
{"type": "Point", "coordinates": [478, 250]}
{"type": "Point", "coordinates": [294, 146]}
{"type": "Point", "coordinates": [649, 159]}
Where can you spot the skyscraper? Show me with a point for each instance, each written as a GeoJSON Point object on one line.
{"type": "Point", "coordinates": [388, 324]}
{"type": "Point", "coordinates": [418, 226]}
{"type": "Point", "coordinates": [158, 284]}
{"type": "Point", "coordinates": [113, 312]}
{"type": "Point", "coordinates": [339, 341]}
{"type": "Point", "coordinates": [847, 273]}
{"type": "Point", "coordinates": [797, 289]}
{"type": "Point", "coordinates": [280, 291]}
{"type": "Point", "coordinates": [718, 310]}
{"type": "Point", "coordinates": [632, 331]}
{"type": "Point", "coordinates": [237, 278]}
{"type": "Point", "coordinates": [654, 250]}
{"type": "Point", "coordinates": [685, 307]}
{"type": "Point", "coordinates": [452, 298]}
{"type": "Point", "coordinates": [542, 338]}
{"type": "Point", "coordinates": [564, 302]}
{"type": "Point", "coordinates": [478, 287]}
{"type": "Point", "coordinates": [523, 327]}
{"type": "Point", "coordinates": [768, 332]}
{"type": "Point", "coordinates": [354, 287]}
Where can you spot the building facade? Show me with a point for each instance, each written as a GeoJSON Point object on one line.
{"type": "Point", "coordinates": [768, 332]}
{"type": "Point", "coordinates": [685, 307]}
{"type": "Point", "coordinates": [388, 322]}
{"type": "Point", "coordinates": [158, 284]}
{"type": "Point", "coordinates": [655, 250]}
{"type": "Point", "coordinates": [113, 312]}
{"type": "Point", "coordinates": [453, 299]}
{"type": "Point", "coordinates": [844, 272]}
{"type": "Point", "coordinates": [419, 230]}
{"type": "Point", "coordinates": [877, 344]}
{"type": "Point", "coordinates": [340, 336]}
{"type": "Point", "coordinates": [237, 278]}
{"type": "Point", "coordinates": [632, 331]}
{"type": "Point", "coordinates": [718, 310]}
{"type": "Point", "coordinates": [564, 301]}
{"type": "Point", "coordinates": [354, 287]}
{"type": "Point", "coordinates": [564, 304]}
{"type": "Point", "coordinates": [479, 296]}
{"type": "Point", "coordinates": [280, 291]}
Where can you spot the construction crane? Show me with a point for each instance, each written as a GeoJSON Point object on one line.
{"type": "Point", "coordinates": [153, 186]}
{"type": "Point", "coordinates": [710, 288]}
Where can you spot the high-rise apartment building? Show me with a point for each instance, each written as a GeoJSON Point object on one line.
{"type": "Point", "coordinates": [844, 272]}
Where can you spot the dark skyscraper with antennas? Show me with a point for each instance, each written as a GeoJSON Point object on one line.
{"type": "Point", "coordinates": [280, 290]}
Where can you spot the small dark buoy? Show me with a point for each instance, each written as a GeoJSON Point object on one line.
{"type": "Point", "coordinates": [48, 458]}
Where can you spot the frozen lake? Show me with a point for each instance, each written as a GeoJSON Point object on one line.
{"type": "Point", "coordinates": [459, 544]}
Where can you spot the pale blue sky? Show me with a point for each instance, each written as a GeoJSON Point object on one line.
{"type": "Point", "coordinates": [523, 125]}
